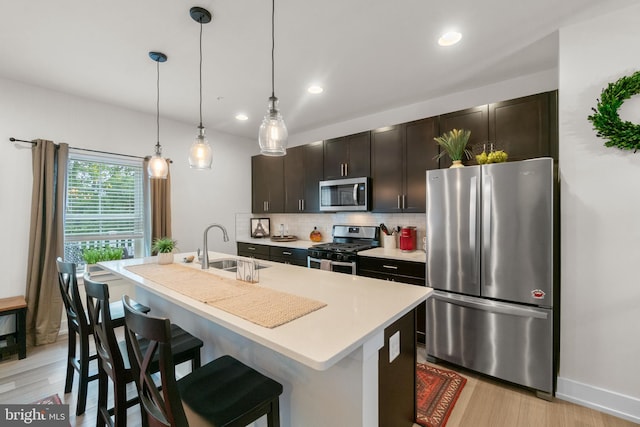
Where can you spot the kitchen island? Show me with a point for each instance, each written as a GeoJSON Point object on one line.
{"type": "Point", "coordinates": [326, 360]}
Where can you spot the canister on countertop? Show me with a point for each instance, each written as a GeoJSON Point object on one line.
{"type": "Point", "coordinates": [408, 239]}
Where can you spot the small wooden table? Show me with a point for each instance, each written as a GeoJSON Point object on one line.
{"type": "Point", "coordinates": [18, 306]}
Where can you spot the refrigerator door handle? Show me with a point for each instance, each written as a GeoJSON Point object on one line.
{"type": "Point", "coordinates": [491, 306]}
{"type": "Point", "coordinates": [487, 190]}
{"type": "Point", "coordinates": [473, 220]}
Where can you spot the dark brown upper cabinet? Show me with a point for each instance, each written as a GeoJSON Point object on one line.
{"type": "Point", "coordinates": [347, 156]}
{"type": "Point", "coordinates": [525, 128]}
{"type": "Point", "coordinates": [303, 170]}
{"type": "Point", "coordinates": [522, 126]}
{"type": "Point", "coordinates": [400, 156]}
{"type": "Point", "coordinates": [267, 184]}
{"type": "Point", "coordinates": [476, 120]}
{"type": "Point", "coordinates": [387, 169]}
{"type": "Point", "coordinates": [420, 153]}
{"type": "Point", "coordinates": [397, 157]}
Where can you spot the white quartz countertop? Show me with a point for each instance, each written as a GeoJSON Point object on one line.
{"type": "Point", "coordinates": [357, 308]}
{"type": "Point", "coordinates": [387, 253]}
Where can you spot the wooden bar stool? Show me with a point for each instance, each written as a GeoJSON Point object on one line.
{"type": "Point", "coordinates": [16, 306]}
{"type": "Point", "coordinates": [113, 361]}
{"type": "Point", "coordinates": [224, 392]}
{"type": "Point", "coordinates": [80, 330]}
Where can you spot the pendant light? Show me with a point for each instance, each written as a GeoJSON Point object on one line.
{"type": "Point", "coordinates": [200, 154]}
{"type": "Point", "coordinates": [272, 136]}
{"type": "Point", "coordinates": [158, 167]}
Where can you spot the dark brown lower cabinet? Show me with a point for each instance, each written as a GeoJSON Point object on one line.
{"type": "Point", "coordinates": [281, 254]}
{"type": "Point", "coordinates": [253, 251]}
{"type": "Point", "coordinates": [410, 272]}
{"type": "Point", "coordinates": [291, 256]}
{"type": "Point", "coordinates": [397, 377]}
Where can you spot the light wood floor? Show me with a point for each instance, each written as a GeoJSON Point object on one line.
{"type": "Point", "coordinates": [483, 402]}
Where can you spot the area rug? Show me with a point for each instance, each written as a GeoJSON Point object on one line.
{"type": "Point", "coordinates": [437, 391]}
{"type": "Point", "coordinates": [54, 399]}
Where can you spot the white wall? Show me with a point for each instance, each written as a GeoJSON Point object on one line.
{"type": "Point", "coordinates": [198, 198]}
{"type": "Point", "coordinates": [600, 211]}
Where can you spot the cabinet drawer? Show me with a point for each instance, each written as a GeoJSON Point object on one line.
{"type": "Point", "coordinates": [276, 253]}
{"type": "Point", "coordinates": [251, 250]}
{"type": "Point", "coordinates": [393, 267]}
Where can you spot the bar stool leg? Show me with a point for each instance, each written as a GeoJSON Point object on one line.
{"type": "Point", "coordinates": [68, 384]}
{"type": "Point", "coordinates": [83, 382]}
{"type": "Point", "coordinates": [103, 389]}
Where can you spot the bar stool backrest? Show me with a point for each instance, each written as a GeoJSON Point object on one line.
{"type": "Point", "coordinates": [163, 408]}
{"type": "Point", "coordinates": [103, 328]}
{"type": "Point", "coordinates": [76, 316]}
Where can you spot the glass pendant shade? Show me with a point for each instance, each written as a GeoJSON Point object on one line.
{"type": "Point", "coordinates": [273, 134]}
{"type": "Point", "coordinates": [200, 154]}
{"type": "Point", "coordinates": [158, 167]}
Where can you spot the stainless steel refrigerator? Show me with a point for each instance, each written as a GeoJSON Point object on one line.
{"type": "Point", "coordinates": [492, 262]}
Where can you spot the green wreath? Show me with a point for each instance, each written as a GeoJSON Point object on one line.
{"type": "Point", "coordinates": [606, 121]}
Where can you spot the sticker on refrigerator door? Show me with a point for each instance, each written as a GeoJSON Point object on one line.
{"type": "Point", "coordinates": [538, 294]}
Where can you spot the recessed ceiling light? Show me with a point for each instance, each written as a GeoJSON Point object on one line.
{"type": "Point", "coordinates": [315, 89]}
{"type": "Point", "coordinates": [242, 117]}
{"type": "Point", "coordinates": [450, 38]}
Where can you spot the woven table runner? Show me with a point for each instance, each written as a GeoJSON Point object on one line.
{"type": "Point", "coordinates": [264, 307]}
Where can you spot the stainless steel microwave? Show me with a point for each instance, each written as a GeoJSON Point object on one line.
{"type": "Point", "coordinates": [351, 194]}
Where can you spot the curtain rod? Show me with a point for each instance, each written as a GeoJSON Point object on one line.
{"type": "Point", "coordinates": [12, 139]}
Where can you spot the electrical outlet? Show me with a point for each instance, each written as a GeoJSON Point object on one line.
{"type": "Point", "coordinates": [394, 346]}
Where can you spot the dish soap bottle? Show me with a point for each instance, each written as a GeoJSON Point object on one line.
{"type": "Point", "coordinates": [315, 236]}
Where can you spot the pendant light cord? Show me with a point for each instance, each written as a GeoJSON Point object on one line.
{"type": "Point", "coordinates": [273, 47]}
{"type": "Point", "coordinates": [201, 73]}
{"type": "Point", "coordinates": [158, 106]}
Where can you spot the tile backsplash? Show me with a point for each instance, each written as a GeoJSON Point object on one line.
{"type": "Point", "coordinates": [302, 224]}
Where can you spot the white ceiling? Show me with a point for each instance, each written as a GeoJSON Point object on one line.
{"type": "Point", "coordinates": [370, 55]}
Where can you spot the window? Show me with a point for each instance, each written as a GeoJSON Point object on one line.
{"type": "Point", "coordinates": [104, 207]}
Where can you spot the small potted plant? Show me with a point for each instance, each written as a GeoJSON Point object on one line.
{"type": "Point", "coordinates": [91, 256]}
{"type": "Point", "coordinates": [164, 247]}
{"type": "Point", "coordinates": [454, 143]}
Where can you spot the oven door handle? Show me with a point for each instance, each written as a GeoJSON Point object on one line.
{"type": "Point", "coordinates": [345, 264]}
{"type": "Point", "coordinates": [338, 263]}
{"type": "Point", "coordinates": [310, 260]}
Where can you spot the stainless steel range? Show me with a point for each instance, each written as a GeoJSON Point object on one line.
{"type": "Point", "coordinates": [341, 255]}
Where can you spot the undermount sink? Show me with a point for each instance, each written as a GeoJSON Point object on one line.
{"type": "Point", "coordinates": [228, 264]}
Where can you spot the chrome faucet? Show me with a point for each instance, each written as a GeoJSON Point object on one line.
{"type": "Point", "coordinates": [205, 251]}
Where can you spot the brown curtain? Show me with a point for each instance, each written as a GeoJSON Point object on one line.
{"type": "Point", "coordinates": [46, 241]}
{"type": "Point", "coordinates": [160, 199]}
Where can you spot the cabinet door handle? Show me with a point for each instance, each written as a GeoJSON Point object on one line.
{"type": "Point", "coordinates": [286, 253]}
{"type": "Point", "coordinates": [398, 201]}
{"type": "Point", "coordinates": [341, 169]}
{"type": "Point", "coordinates": [404, 201]}
{"type": "Point", "coordinates": [251, 248]}
{"type": "Point", "coordinates": [302, 203]}
{"type": "Point", "coordinates": [390, 267]}
{"type": "Point", "coordinates": [346, 169]}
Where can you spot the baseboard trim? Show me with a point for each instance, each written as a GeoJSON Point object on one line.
{"type": "Point", "coordinates": [602, 400]}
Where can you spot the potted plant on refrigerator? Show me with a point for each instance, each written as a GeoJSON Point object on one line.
{"type": "Point", "coordinates": [164, 248]}
{"type": "Point", "coordinates": [454, 144]}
